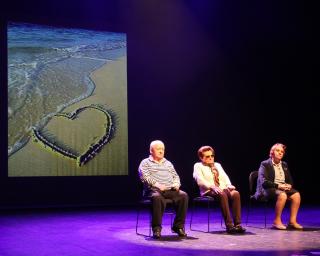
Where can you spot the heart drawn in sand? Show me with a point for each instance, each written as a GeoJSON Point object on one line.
{"type": "Point", "coordinates": [62, 137]}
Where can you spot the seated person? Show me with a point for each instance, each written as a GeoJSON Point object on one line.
{"type": "Point", "coordinates": [213, 181]}
{"type": "Point", "coordinates": [161, 182]}
{"type": "Point", "coordinates": [275, 181]}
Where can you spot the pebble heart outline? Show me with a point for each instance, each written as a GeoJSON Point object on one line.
{"type": "Point", "coordinates": [92, 151]}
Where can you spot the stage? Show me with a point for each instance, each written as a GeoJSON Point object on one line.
{"type": "Point", "coordinates": [105, 231]}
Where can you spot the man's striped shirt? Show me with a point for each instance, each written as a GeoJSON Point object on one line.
{"type": "Point", "coordinates": [164, 173]}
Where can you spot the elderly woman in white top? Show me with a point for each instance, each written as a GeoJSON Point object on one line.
{"type": "Point", "coordinates": [213, 181]}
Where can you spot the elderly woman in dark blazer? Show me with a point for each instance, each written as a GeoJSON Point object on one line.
{"type": "Point", "coordinates": [275, 181]}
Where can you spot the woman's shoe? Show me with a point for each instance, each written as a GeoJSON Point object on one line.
{"type": "Point", "coordinates": [231, 229]}
{"type": "Point", "coordinates": [294, 226]}
{"type": "Point", "coordinates": [279, 226]}
{"type": "Point", "coordinates": [240, 229]}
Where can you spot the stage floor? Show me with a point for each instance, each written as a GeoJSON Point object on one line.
{"type": "Point", "coordinates": [105, 231]}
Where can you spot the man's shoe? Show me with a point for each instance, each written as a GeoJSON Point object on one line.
{"type": "Point", "coordinates": [156, 234]}
{"type": "Point", "coordinates": [179, 231]}
{"type": "Point", "coordinates": [239, 229]}
{"type": "Point", "coordinates": [231, 229]}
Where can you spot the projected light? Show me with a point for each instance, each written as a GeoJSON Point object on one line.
{"type": "Point", "coordinates": [67, 101]}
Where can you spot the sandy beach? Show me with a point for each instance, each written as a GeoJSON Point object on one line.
{"type": "Point", "coordinates": [111, 92]}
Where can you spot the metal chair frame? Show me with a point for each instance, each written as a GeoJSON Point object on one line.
{"type": "Point", "coordinates": [147, 202]}
{"type": "Point", "coordinates": [208, 200]}
{"type": "Point", "coordinates": [253, 176]}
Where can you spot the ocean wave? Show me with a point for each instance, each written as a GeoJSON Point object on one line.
{"type": "Point", "coordinates": [30, 50]}
{"type": "Point", "coordinates": [17, 146]}
{"type": "Point", "coordinates": [90, 85]}
{"type": "Point", "coordinates": [38, 55]}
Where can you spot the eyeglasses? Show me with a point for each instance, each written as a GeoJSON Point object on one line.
{"type": "Point", "coordinates": [206, 157]}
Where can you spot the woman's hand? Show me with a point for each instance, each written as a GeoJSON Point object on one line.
{"type": "Point", "coordinates": [284, 186]}
{"type": "Point", "coordinates": [216, 190]}
{"type": "Point", "coordinates": [231, 187]}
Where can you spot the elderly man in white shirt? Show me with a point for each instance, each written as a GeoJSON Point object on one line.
{"type": "Point", "coordinates": [213, 181]}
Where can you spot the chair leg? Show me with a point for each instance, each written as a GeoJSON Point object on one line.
{"type": "Point", "coordinates": [150, 220]}
{"type": "Point", "coordinates": [265, 215]}
{"type": "Point", "coordinates": [192, 211]}
{"type": "Point", "coordinates": [137, 222]}
{"type": "Point", "coordinates": [208, 209]}
{"type": "Point", "coordinates": [248, 212]}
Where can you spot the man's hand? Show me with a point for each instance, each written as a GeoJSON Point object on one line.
{"type": "Point", "coordinates": [176, 188]}
{"type": "Point", "coordinates": [160, 186]}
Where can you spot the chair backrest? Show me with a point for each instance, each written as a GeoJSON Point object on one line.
{"type": "Point", "coordinates": [195, 188]}
{"type": "Point", "coordinates": [253, 177]}
{"type": "Point", "coordinates": [142, 190]}
{"type": "Point", "coordinates": [197, 197]}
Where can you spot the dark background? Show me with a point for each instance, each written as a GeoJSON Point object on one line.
{"type": "Point", "coordinates": [236, 75]}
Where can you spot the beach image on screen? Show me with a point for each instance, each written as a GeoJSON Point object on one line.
{"type": "Point", "coordinates": [67, 101]}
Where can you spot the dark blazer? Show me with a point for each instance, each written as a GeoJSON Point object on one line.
{"type": "Point", "coordinates": [266, 177]}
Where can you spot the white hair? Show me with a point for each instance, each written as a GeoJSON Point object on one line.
{"type": "Point", "coordinates": [155, 142]}
{"type": "Point", "coordinates": [271, 153]}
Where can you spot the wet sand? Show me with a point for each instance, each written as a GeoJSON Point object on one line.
{"type": "Point", "coordinates": [111, 91]}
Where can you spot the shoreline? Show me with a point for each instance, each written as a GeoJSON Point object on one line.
{"type": "Point", "coordinates": [90, 85]}
{"type": "Point", "coordinates": [111, 91]}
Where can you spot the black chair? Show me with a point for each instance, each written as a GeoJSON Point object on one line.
{"type": "Point", "coordinates": [253, 177]}
{"type": "Point", "coordinates": [202, 200]}
{"type": "Point", "coordinates": [146, 202]}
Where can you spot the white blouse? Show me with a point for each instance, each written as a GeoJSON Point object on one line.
{"type": "Point", "coordinates": [205, 178]}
